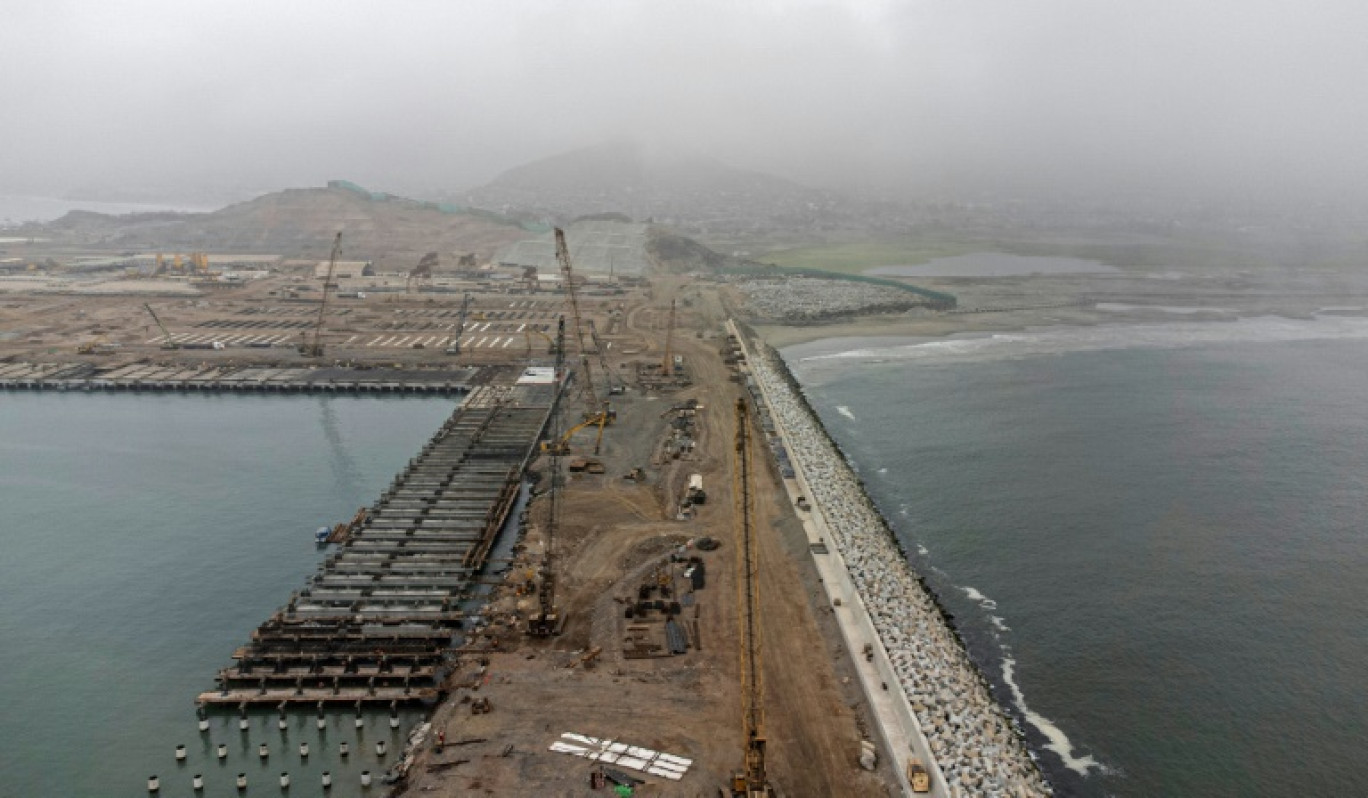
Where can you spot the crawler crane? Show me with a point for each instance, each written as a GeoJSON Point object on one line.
{"type": "Point", "coordinates": [545, 622]}
{"type": "Point", "coordinates": [667, 363]}
{"type": "Point", "coordinates": [167, 343]}
{"type": "Point", "coordinates": [454, 348]}
{"type": "Point", "coordinates": [594, 404]}
{"type": "Point", "coordinates": [314, 348]}
{"type": "Point", "coordinates": [751, 782]}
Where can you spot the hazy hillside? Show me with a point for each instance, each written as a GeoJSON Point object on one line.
{"type": "Point", "coordinates": [302, 222]}
{"type": "Point", "coordinates": [669, 187]}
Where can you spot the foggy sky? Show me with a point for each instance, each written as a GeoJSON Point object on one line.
{"type": "Point", "coordinates": [1196, 96]}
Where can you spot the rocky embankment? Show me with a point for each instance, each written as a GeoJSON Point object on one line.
{"type": "Point", "coordinates": [977, 745]}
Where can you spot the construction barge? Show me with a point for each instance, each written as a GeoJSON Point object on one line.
{"type": "Point", "coordinates": [219, 378]}
{"type": "Point", "coordinates": [376, 624]}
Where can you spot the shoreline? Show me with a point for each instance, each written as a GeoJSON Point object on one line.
{"type": "Point", "coordinates": [930, 701]}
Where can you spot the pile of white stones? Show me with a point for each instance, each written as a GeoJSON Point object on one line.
{"type": "Point", "coordinates": [976, 744]}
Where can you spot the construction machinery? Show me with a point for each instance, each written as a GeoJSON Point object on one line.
{"type": "Point", "coordinates": [562, 446]}
{"type": "Point", "coordinates": [528, 332]}
{"type": "Point", "coordinates": [99, 346]}
{"type": "Point", "coordinates": [917, 776]}
{"type": "Point", "coordinates": [546, 621]}
{"type": "Point", "coordinates": [667, 364]}
{"type": "Point", "coordinates": [422, 273]}
{"type": "Point", "coordinates": [751, 781]}
{"type": "Point", "coordinates": [592, 402]}
{"type": "Point", "coordinates": [314, 347]}
{"type": "Point", "coordinates": [454, 348]}
{"type": "Point", "coordinates": [614, 387]}
{"type": "Point", "coordinates": [166, 343]}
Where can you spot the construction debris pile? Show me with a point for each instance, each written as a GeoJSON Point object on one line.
{"type": "Point", "coordinates": [804, 300]}
{"type": "Point", "coordinates": [978, 746]}
{"type": "Point", "coordinates": [662, 620]}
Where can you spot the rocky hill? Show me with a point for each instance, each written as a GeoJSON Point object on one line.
{"type": "Point", "coordinates": [301, 223]}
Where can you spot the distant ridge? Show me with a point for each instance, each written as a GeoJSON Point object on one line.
{"type": "Point", "coordinates": [642, 183]}
{"type": "Point", "coordinates": [302, 222]}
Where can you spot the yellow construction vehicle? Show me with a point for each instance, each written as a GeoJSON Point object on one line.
{"type": "Point", "coordinates": [99, 346]}
{"type": "Point", "coordinates": [562, 446]}
{"type": "Point", "coordinates": [528, 332]}
{"type": "Point", "coordinates": [917, 776]}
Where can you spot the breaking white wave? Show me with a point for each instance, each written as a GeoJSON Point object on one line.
{"type": "Point", "coordinates": [1118, 307]}
{"type": "Point", "coordinates": [980, 599]}
{"type": "Point", "coordinates": [845, 411]}
{"type": "Point", "coordinates": [1059, 340]}
{"type": "Point", "coordinates": [1058, 740]}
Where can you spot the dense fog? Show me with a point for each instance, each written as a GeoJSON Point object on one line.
{"type": "Point", "coordinates": [1218, 98]}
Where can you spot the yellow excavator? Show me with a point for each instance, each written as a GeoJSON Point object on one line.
{"type": "Point", "coordinates": [562, 446]}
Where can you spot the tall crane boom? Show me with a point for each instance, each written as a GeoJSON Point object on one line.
{"type": "Point", "coordinates": [667, 365]}
{"type": "Point", "coordinates": [602, 350]}
{"type": "Point", "coordinates": [546, 621]}
{"type": "Point", "coordinates": [167, 343]}
{"type": "Point", "coordinates": [314, 348]}
{"type": "Point", "coordinates": [454, 348]}
{"type": "Point", "coordinates": [751, 782]}
{"type": "Point", "coordinates": [567, 275]}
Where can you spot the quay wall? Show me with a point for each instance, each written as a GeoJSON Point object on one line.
{"type": "Point", "coordinates": [928, 697]}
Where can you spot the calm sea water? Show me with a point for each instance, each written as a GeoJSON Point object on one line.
{"type": "Point", "coordinates": [1153, 538]}
{"type": "Point", "coordinates": [144, 538]}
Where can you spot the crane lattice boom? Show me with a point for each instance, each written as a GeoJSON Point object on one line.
{"type": "Point", "coordinates": [752, 782]}
{"type": "Point", "coordinates": [314, 348]}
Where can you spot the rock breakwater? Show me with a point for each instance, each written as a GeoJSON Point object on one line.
{"type": "Point", "coordinates": [977, 745]}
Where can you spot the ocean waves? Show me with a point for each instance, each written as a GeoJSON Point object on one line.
{"type": "Point", "coordinates": [1061, 340]}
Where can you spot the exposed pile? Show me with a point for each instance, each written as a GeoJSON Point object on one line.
{"type": "Point", "coordinates": [975, 743]}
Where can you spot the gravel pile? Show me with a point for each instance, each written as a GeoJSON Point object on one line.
{"type": "Point", "coordinates": [978, 746]}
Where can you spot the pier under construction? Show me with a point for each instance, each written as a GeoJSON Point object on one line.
{"type": "Point", "coordinates": [376, 623]}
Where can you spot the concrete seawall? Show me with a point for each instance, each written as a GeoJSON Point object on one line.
{"type": "Point", "coordinates": [928, 698]}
